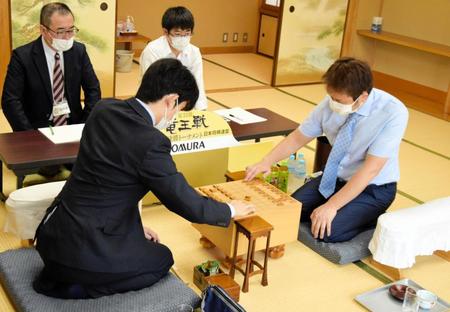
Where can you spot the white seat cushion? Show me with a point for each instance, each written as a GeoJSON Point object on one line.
{"type": "Point", "coordinates": [26, 207]}
{"type": "Point", "coordinates": [402, 235]}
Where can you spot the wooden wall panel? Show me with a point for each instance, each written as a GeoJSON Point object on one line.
{"type": "Point", "coordinates": [5, 40]}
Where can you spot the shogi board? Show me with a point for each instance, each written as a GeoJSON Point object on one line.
{"type": "Point", "coordinates": [273, 205]}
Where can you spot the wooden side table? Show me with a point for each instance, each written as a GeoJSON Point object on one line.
{"type": "Point", "coordinates": [128, 40]}
{"type": "Point", "coordinates": [252, 228]}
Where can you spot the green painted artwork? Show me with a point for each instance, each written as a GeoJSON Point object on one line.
{"type": "Point", "coordinates": [310, 39]}
{"type": "Point", "coordinates": [25, 22]}
{"type": "Point", "coordinates": [97, 32]}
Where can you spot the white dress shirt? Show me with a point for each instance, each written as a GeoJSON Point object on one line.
{"type": "Point", "coordinates": [189, 57]}
{"type": "Point", "coordinates": [378, 132]}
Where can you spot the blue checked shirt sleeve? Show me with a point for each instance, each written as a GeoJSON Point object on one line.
{"type": "Point", "coordinates": [388, 141]}
{"type": "Point", "coordinates": [312, 125]}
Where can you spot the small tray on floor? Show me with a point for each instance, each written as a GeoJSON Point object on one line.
{"type": "Point", "coordinates": [380, 300]}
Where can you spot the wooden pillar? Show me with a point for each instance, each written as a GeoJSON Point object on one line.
{"type": "Point", "coordinates": [447, 104]}
{"type": "Point", "coordinates": [350, 27]}
{"type": "Point", "coordinates": [5, 40]}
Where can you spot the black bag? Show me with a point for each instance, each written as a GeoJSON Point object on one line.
{"type": "Point", "coordinates": [216, 299]}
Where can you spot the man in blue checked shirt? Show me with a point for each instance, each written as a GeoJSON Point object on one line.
{"type": "Point", "coordinates": [365, 126]}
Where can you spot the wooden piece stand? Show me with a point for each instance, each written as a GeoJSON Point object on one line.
{"type": "Point", "coordinates": [227, 283]}
{"type": "Point", "coordinates": [252, 228]}
{"type": "Point", "coordinates": [221, 279]}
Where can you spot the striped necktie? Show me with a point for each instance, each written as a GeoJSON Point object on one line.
{"type": "Point", "coordinates": [58, 90]}
{"type": "Point", "coordinates": [338, 151]}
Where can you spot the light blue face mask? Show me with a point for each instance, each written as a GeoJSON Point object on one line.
{"type": "Point", "coordinates": [164, 123]}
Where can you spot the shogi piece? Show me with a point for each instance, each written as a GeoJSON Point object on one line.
{"type": "Point", "coordinates": [252, 228]}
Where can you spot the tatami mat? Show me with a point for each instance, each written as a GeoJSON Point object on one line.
{"type": "Point", "coordinates": [217, 77]}
{"type": "Point", "coordinates": [252, 65]}
{"type": "Point", "coordinates": [296, 281]}
{"type": "Point", "coordinates": [301, 280]}
{"type": "Point", "coordinates": [127, 84]}
{"type": "Point", "coordinates": [4, 125]}
{"type": "Point", "coordinates": [313, 92]}
{"type": "Point", "coordinates": [423, 174]}
{"type": "Point", "coordinates": [429, 132]}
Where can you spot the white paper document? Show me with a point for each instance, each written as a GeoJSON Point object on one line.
{"type": "Point", "coordinates": [239, 115]}
{"type": "Point", "coordinates": [63, 134]}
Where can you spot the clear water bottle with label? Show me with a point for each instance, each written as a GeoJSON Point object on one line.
{"type": "Point", "coordinates": [297, 173]}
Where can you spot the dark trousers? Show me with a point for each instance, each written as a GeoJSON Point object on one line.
{"type": "Point", "coordinates": [357, 216]}
{"type": "Point", "coordinates": [57, 280]}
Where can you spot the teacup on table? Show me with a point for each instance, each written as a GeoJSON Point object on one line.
{"type": "Point", "coordinates": [427, 300]}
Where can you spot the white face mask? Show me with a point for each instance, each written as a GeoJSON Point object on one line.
{"type": "Point", "coordinates": [62, 45]}
{"type": "Point", "coordinates": [342, 109]}
{"type": "Point", "coordinates": [180, 42]}
{"type": "Point", "coordinates": [164, 123]}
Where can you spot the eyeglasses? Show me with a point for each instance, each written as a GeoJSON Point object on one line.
{"type": "Point", "coordinates": [181, 33]}
{"type": "Point", "coordinates": [64, 33]}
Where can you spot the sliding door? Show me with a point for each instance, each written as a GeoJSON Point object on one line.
{"type": "Point", "coordinates": [310, 40]}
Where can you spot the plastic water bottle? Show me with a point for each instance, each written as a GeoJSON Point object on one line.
{"type": "Point", "coordinates": [291, 163]}
{"type": "Point", "coordinates": [129, 24]}
{"type": "Point", "coordinates": [297, 174]}
{"type": "Point", "coordinates": [292, 174]}
{"type": "Point", "coordinates": [301, 171]}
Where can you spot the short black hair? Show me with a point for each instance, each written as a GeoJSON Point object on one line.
{"type": "Point", "coordinates": [178, 17]}
{"type": "Point", "coordinates": [349, 75]}
{"type": "Point", "coordinates": [49, 9]}
{"type": "Point", "coordinates": [167, 76]}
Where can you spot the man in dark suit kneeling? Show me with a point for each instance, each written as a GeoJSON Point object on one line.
{"type": "Point", "coordinates": [91, 239]}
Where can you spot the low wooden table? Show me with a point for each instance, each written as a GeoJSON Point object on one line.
{"type": "Point", "coordinates": [274, 125]}
{"type": "Point", "coordinates": [128, 40]}
{"type": "Point", "coordinates": [25, 152]}
{"type": "Point", "coordinates": [276, 207]}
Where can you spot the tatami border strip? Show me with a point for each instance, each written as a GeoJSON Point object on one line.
{"type": "Point", "coordinates": [210, 91]}
{"type": "Point", "coordinates": [217, 102]}
{"type": "Point", "coordinates": [372, 272]}
{"type": "Point", "coordinates": [235, 71]}
{"type": "Point", "coordinates": [415, 199]}
{"type": "Point", "coordinates": [426, 149]}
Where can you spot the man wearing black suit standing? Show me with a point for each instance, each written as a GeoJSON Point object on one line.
{"type": "Point", "coordinates": [44, 78]}
{"type": "Point", "coordinates": [92, 240]}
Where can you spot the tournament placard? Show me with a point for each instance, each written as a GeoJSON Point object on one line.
{"type": "Point", "coordinates": [196, 131]}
